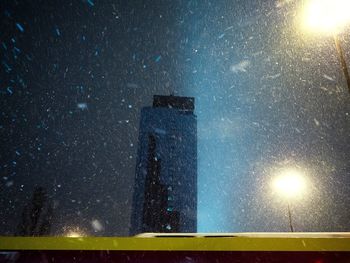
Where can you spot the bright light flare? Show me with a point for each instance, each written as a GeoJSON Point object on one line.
{"type": "Point", "coordinates": [290, 183]}
{"type": "Point", "coordinates": [74, 232]}
{"type": "Point", "coordinates": [326, 16]}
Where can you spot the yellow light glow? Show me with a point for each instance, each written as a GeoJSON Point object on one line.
{"type": "Point", "coordinates": [290, 183]}
{"type": "Point", "coordinates": [327, 16]}
{"type": "Point", "coordinates": [74, 232]}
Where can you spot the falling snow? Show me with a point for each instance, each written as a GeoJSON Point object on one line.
{"type": "Point", "coordinates": [96, 225]}
{"type": "Point", "coordinates": [242, 66]}
{"type": "Point", "coordinates": [82, 106]}
{"type": "Point", "coordinates": [20, 27]}
{"type": "Point", "coordinates": [75, 75]}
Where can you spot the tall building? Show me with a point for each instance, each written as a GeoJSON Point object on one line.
{"type": "Point", "coordinates": [165, 193]}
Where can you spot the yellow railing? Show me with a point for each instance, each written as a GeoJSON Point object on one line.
{"type": "Point", "coordinates": [233, 242]}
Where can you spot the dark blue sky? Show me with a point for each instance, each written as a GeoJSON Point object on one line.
{"type": "Point", "coordinates": [75, 74]}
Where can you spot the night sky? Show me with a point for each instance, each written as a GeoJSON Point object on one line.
{"type": "Point", "coordinates": [74, 76]}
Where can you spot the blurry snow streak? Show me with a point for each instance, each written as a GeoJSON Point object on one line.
{"type": "Point", "coordinates": [7, 67]}
{"type": "Point", "coordinates": [20, 27]}
{"type": "Point", "coordinates": [273, 76]}
{"type": "Point", "coordinates": [158, 58]}
{"type": "Point", "coordinates": [328, 77]}
{"type": "Point", "coordinates": [96, 225]}
{"type": "Point", "coordinates": [58, 32]}
{"type": "Point", "coordinates": [160, 131]}
{"type": "Point", "coordinates": [316, 122]}
{"type": "Point", "coordinates": [82, 106]}
{"type": "Point", "coordinates": [90, 2]}
{"type": "Point", "coordinates": [9, 90]}
{"type": "Point", "coordinates": [240, 67]}
{"type": "Point", "coordinates": [221, 36]}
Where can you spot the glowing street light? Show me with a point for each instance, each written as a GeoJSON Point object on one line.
{"type": "Point", "coordinates": [290, 183]}
{"type": "Point", "coordinates": [74, 232]}
{"type": "Point", "coordinates": [329, 17]}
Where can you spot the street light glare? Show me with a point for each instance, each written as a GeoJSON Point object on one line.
{"type": "Point", "coordinates": [74, 232]}
{"type": "Point", "coordinates": [327, 16]}
{"type": "Point", "coordinates": [290, 183]}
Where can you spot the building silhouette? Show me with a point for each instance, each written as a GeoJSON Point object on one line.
{"type": "Point", "coordinates": [37, 215]}
{"type": "Point", "coordinates": [165, 193]}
